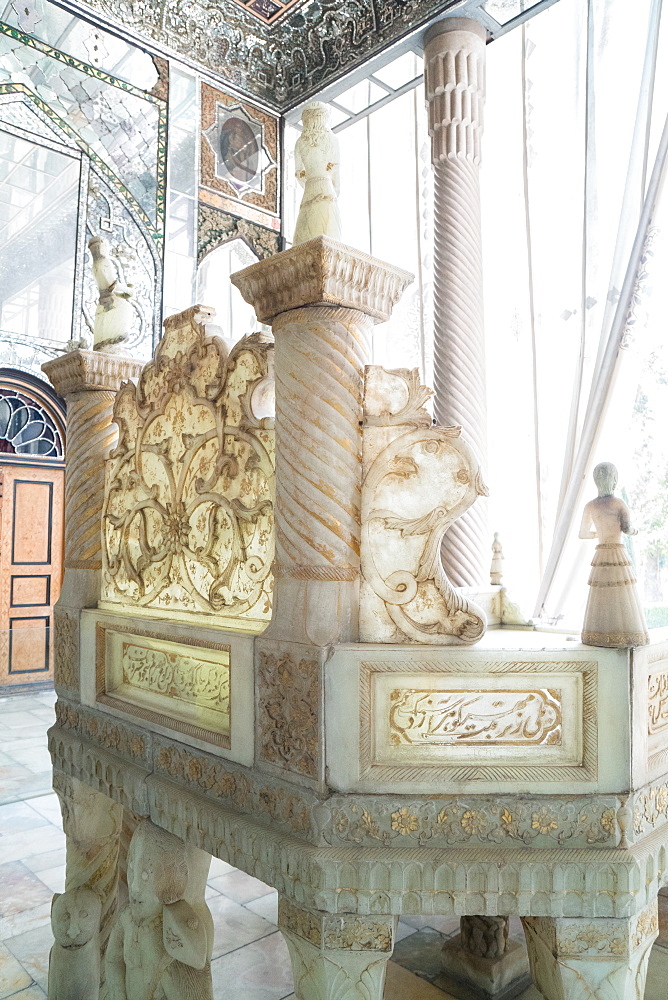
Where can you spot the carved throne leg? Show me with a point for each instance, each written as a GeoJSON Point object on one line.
{"type": "Point", "coordinates": [576, 958]}
{"type": "Point", "coordinates": [482, 957]}
{"type": "Point", "coordinates": [341, 955]}
{"type": "Point", "coordinates": [92, 825]}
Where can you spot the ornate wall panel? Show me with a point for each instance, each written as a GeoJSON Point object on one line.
{"type": "Point", "coordinates": [239, 157]}
{"type": "Point", "coordinates": [216, 227]}
{"type": "Point", "coordinates": [188, 512]}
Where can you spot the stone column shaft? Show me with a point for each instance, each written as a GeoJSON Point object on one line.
{"type": "Point", "coordinates": [455, 87]}
{"type": "Point", "coordinates": [88, 380]}
{"type": "Point", "coordinates": [322, 299]}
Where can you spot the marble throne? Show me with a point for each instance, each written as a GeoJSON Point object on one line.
{"type": "Point", "coordinates": [258, 655]}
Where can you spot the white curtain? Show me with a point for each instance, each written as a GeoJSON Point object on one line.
{"type": "Point", "coordinates": [577, 101]}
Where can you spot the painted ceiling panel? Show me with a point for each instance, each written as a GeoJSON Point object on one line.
{"type": "Point", "coordinates": [279, 57]}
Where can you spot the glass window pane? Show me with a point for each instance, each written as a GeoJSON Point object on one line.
{"type": "Point", "coordinates": [360, 96]}
{"type": "Point", "coordinates": [407, 67]}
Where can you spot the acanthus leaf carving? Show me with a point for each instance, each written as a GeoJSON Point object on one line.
{"type": "Point", "coordinates": [188, 512]}
{"type": "Point", "coordinates": [418, 479]}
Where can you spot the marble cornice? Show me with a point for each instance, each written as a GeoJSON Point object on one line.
{"type": "Point", "coordinates": [280, 64]}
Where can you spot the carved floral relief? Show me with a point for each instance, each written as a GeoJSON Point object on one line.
{"type": "Point", "coordinates": [289, 696]}
{"type": "Point", "coordinates": [188, 511]}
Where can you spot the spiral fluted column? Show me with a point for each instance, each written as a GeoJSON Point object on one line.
{"type": "Point", "coordinates": [322, 299]}
{"type": "Point", "coordinates": [88, 381]}
{"type": "Point", "coordinates": [455, 88]}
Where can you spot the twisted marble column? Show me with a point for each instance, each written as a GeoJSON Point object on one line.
{"type": "Point", "coordinates": [322, 299]}
{"type": "Point", "coordinates": [88, 380]}
{"type": "Point", "coordinates": [455, 86]}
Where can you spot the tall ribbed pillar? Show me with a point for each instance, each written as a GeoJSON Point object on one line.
{"type": "Point", "coordinates": [455, 88]}
{"type": "Point", "coordinates": [322, 299]}
{"type": "Point", "coordinates": [88, 380]}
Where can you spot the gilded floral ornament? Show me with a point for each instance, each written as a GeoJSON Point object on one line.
{"type": "Point", "coordinates": [188, 512]}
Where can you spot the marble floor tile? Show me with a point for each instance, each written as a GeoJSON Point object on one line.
{"type": "Point", "coordinates": [54, 878]}
{"type": "Point", "coordinates": [32, 951]}
{"type": "Point", "coordinates": [25, 920]}
{"type": "Point", "coordinates": [219, 867]}
{"type": "Point", "coordinates": [36, 759]}
{"type": "Point", "coordinates": [240, 887]}
{"type": "Point", "coordinates": [261, 971]}
{"type": "Point", "coordinates": [19, 846]}
{"type": "Point", "coordinates": [235, 925]}
{"type": "Point", "coordinates": [17, 816]}
{"type": "Point", "coordinates": [50, 859]}
{"type": "Point", "coordinates": [13, 977]}
{"type": "Point", "coordinates": [265, 906]}
{"type": "Point", "coordinates": [24, 784]}
{"type": "Point", "coordinates": [47, 806]}
{"type": "Point", "coordinates": [404, 930]}
{"type": "Point", "coordinates": [33, 992]}
{"type": "Point", "coordinates": [446, 925]}
{"type": "Point", "coordinates": [21, 888]}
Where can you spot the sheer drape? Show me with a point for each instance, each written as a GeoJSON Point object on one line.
{"type": "Point", "coordinates": [573, 121]}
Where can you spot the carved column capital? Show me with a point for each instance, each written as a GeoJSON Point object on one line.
{"type": "Point", "coordinates": [83, 371]}
{"type": "Point", "coordinates": [454, 60]}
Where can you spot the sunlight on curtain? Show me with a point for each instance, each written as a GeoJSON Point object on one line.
{"type": "Point", "coordinates": [571, 135]}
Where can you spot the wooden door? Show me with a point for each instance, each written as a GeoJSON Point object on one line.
{"type": "Point", "coordinates": [31, 567]}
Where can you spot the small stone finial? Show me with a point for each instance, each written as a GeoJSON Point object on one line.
{"type": "Point", "coordinates": [114, 313]}
{"type": "Point", "coordinates": [496, 569]}
{"type": "Point", "coordinates": [317, 170]}
{"type": "Point", "coordinates": [614, 616]}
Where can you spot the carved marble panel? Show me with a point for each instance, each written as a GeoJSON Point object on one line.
{"type": "Point", "coordinates": [427, 719]}
{"type": "Point", "coordinates": [180, 684]}
{"type": "Point", "coordinates": [188, 510]}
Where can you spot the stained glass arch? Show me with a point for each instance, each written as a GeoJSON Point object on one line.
{"type": "Point", "coordinates": [32, 424]}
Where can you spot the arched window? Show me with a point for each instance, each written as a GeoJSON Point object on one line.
{"type": "Point", "coordinates": [32, 420]}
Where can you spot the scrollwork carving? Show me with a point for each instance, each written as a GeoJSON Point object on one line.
{"type": "Point", "coordinates": [418, 480]}
{"type": "Point", "coordinates": [188, 512]}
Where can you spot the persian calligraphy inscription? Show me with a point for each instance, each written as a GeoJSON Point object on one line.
{"type": "Point", "coordinates": [509, 718]}
{"type": "Point", "coordinates": [657, 702]}
{"type": "Point", "coordinates": [178, 683]}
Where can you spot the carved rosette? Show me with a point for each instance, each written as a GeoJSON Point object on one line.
{"type": "Point", "coordinates": [418, 479]}
{"type": "Point", "coordinates": [188, 508]}
{"type": "Point", "coordinates": [322, 299]}
{"type": "Point", "coordinates": [455, 87]}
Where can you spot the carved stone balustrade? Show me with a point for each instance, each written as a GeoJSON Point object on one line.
{"type": "Point", "coordinates": [371, 751]}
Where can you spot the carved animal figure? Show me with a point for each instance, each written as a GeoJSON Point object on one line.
{"type": "Point", "coordinates": [74, 960]}
{"type": "Point", "coordinates": [159, 946]}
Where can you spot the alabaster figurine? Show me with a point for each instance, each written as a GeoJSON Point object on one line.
{"type": "Point", "coordinates": [159, 945]}
{"type": "Point", "coordinates": [74, 959]}
{"type": "Point", "coordinates": [614, 616]}
{"type": "Point", "coordinates": [317, 170]}
{"type": "Point", "coordinates": [114, 313]}
{"type": "Point", "coordinates": [496, 569]}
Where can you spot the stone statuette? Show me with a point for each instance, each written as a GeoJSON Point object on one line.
{"type": "Point", "coordinates": [74, 959]}
{"type": "Point", "coordinates": [114, 313]}
{"type": "Point", "coordinates": [160, 945]}
{"type": "Point", "coordinates": [613, 616]}
{"type": "Point", "coordinates": [317, 170]}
